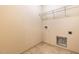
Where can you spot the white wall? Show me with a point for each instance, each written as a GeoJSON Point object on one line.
{"type": "Point", "coordinates": [61, 26]}
{"type": "Point", "coordinates": [20, 28]}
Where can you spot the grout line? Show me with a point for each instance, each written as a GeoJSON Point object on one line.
{"type": "Point", "coordinates": [30, 48]}
{"type": "Point", "coordinates": [61, 47]}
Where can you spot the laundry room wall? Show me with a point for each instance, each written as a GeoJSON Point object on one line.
{"type": "Point", "coordinates": [20, 28]}
{"type": "Point", "coordinates": [60, 26]}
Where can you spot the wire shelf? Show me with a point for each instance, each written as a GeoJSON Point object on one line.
{"type": "Point", "coordinates": [57, 13]}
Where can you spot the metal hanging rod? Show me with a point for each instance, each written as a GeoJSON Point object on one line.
{"type": "Point", "coordinates": [59, 9]}
{"type": "Point", "coordinates": [53, 13]}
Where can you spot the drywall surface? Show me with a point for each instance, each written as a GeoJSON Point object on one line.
{"type": "Point", "coordinates": [61, 27]}
{"type": "Point", "coordinates": [20, 28]}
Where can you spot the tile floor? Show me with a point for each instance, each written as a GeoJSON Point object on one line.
{"type": "Point", "coordinates": [44, 48]}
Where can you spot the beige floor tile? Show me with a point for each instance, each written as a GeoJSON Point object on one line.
{"type": "Point", "coordinates": [44, 48]}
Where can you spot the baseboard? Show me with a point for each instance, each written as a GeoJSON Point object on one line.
{"type": "Point", "coordinates": [60, 47]}
{"type": "Point", "coordinates": [30, 48]}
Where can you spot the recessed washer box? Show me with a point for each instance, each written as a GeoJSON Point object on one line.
{"type": "Point", "coordinates": [61, 41]}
